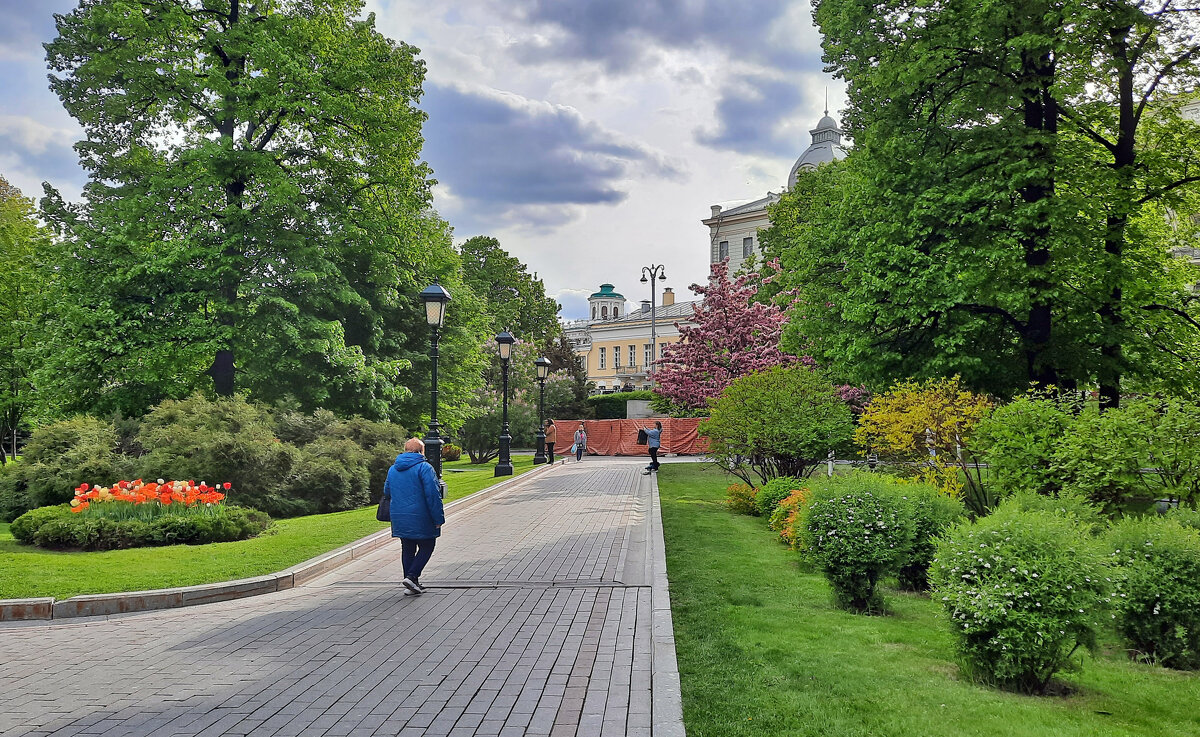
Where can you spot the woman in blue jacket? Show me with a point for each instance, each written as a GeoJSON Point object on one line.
{"type": "Point", "coordinates": [416, 508]}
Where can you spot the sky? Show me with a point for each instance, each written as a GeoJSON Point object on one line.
{"type": "Point", "coordinates": [589, 136]}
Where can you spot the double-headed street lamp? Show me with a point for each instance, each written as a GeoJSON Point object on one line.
{"type": "Point", "coordinates": [435, 298]}
{"type": "Point", "coordinates": [504, 344]}
{"type": "Point", "coordinates": [543, 370]}
{"type": "Point", "coordinates": [653, 271]}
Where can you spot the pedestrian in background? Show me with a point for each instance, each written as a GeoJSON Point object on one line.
{"type": "Point", "coordinates": [551, 436]}
{"type": "Point", "coordinates": [653, 443]}
{"type": "Point", "coordinates": [580, 442]}
{"type": "Point", "coordinates": [416, 510]}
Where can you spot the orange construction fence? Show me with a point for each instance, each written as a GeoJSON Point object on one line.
{"type": "Point", "coordinates": [619, 437]}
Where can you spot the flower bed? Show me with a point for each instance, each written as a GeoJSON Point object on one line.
{"type": "Point", "coordinates": [132, 514]}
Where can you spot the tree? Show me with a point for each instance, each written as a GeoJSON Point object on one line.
{"type": "Point", "coordinates": [516, 301]}
{"type": "Point", "coordinates": [479, 432]}
{"type": "Point", "coordinates": [975, 231]}
{"type": "Point", "coordinates": [733, 336]}
{"type": "Point", "coordinates": [24, 283]}
{"type": "Point", "coordinates": [568, 387]}
{"type": "Point", "coordinates": [257, 215]}
{"type": "Point", "coordinates": [780, 421]}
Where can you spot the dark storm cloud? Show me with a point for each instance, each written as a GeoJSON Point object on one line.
{"type": "Point", "coordinates": [747, 114]}
{"type": "Point", "coordinates": [619, 33]}
{"type": "Point", "coordinates": [503, 152]}
{"type": "Point", "coordinates": [624, 35]}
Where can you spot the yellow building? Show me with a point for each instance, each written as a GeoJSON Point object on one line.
{"type": "Point", "coordinates": [614, 344]}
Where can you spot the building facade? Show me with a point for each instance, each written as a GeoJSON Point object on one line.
{"type": "Point", "coordinates": [733, 231]}
{"type": "Point", "coordinates": [614, 345]}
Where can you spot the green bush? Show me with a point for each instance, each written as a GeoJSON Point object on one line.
{"type": "Point", "coordinates": [612, 406]}
{"type": "Point", "coordinates": [451, 452]}
{"type": "Point", "coordinates": [930, 513]}
{"type": "Point", "coordinates": [857, 537]}
{"type": "Point", "coordinates": [1017, 440]}
{"type": "Point", "coordinates": [774, 491]}
{"type": "Point", "coordinates": [1157, 596]}
{"type": "Point", "coordinates": [1184, 516]}
{"type": "Point", "coordinates": [779, 422]}
{"type": "Point", "coordinates": [382, 442]}
{"type": "Point", "coordinates": [1075, 507]}
{"type": "Point", "coordinates": [63, 455]}
{"type": "Point", "coordinates": [330, 474]}
{"type": "Point", "coordinates": [298, 428]}
{"type": "Point", "coordinates": [14, 497]}
{"type": "Point", "coordinates": [739, 498]}
{"type": "Point", "coordinates": [59, 528]}
{"type": "Point", "coordinates": [1024, 590]}
{"type": "Point", "coordinates": [223, 440]}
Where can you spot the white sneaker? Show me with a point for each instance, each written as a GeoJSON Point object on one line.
{"type": "Point", "coordinates": [411, 585]}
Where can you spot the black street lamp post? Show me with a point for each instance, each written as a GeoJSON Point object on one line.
{"type": "Point", "coordinates": [654, 271]}
{"type": "Point", "coordinates": [435, 298]}
{"type": "Point", "coordinates": [543, 370]}
{"type": "Point", "coordinates": [504, 344]}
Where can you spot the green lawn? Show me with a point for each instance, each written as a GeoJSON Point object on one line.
{"type": "Point", "coordinates": [763, 651]}
{"type": "Point", "coordinates": [26, 571]}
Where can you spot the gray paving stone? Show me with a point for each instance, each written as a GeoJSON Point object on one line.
{"type": "Point", "coordinates": [540, 620]}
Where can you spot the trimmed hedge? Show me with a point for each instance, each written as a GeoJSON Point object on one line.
{"type": "Point", "coordinates": [58, 528]}
{"type": "Point", "coordinates": [612, 406]}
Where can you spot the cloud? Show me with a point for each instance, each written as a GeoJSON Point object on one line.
{"type": "Point", "coordinates": [496, 154]}
{"type": "Point", "coordinates": [574, 303]}
{"type": "Point", "coordinates": [622, 33]}
{"type": "Point", "coordinates": [750, 113]}
{"type": "Point", "coordinates": [33, 151]}
{"type": "Point", "coordinates": [23, 28]}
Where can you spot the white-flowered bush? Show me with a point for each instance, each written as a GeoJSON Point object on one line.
{"type": "Point", "coordinates": [1157, 595]}
{"type": "Point", "coordinates": [857, 537]}
{"type": "Point", "coordinates": [1024, 591]}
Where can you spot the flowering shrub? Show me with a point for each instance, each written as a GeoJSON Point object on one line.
{"type": "Point", "coordinates": [789, 517]}
{"type": "Point", "coordinates": [770, 494]}
{"type": "Point", "coordinates": [740, 499]}
{"type": "Point", "coordinates": [1024, 590]}
{"type": "Point", "coordinates": [451, 452]}
{"type": "Point", "coordinates": [1157, 596]}
{"type": "Point", "coordinates": [856, 537]}
{"type": "Point", "coordinates": [145, 500]}
{"type": "Point", "coordinates": [926, 427]}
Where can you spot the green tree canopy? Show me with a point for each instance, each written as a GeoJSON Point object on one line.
{"type": "Point", "coordinates": [516, 300]}
{"type": "Point", "coordinates": [24, 284]}
{"type": "Point", "coordinates": [257, 216]}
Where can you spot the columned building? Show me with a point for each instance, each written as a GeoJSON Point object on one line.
{"type": "Point", "coordinates": [613, 344]}
{"type": "Point", "coordinates": [733, 231]}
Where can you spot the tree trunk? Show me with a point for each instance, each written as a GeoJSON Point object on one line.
{"type": "Point", "coordinates": [1112, 323]}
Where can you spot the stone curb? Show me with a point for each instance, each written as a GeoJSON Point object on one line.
{"type": "Point", "coordinates": [91, 605]}
{"type": "Point", "coordinates": [666, 702]}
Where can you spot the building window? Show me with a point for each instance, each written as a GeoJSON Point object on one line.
{"type": "Point", "coordinates": [747, 247]}
{"type": "Point", "coordinates": [603, 358]}
{"type": "Point", "coordinates": [723, 251]}
{"type": "Point", "coordinates": [604, 312]}
{"type": "Point", "coordinates": [632, 356]}
{"type": "Point", "coordinates": [662, 348]}
{"type": "Point", "coordinates": [616, 312]}
{"type": "Point", "coordinates": [617, 356]}
{"type": "Point", "coordinates": [646, 354]}
{"type": "Point", "coordinates": [593, 312]}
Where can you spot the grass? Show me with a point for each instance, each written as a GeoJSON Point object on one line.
{"type": "Point", "coordinates": [26, 571]}
{"type": "Point", "coordinates": [763, 651]}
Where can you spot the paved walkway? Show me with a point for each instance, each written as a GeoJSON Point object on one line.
{"type": "Point", "coordinates": [547, 615]}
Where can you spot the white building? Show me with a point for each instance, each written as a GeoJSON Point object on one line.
{"type": "Point", "coordinates": [614, 344]}
{"type": "Point", "coordinates": [733, 231]}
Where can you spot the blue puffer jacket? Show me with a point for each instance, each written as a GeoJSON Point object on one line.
{"type": "Point", "coordinates": [416, 504]}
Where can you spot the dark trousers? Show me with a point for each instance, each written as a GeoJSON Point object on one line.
{"type": "Point", "coordinates": [653, 459]}
{"type": "Point", "coordinates": [414, 554]}
{"type": "Point", "coordinates": [579, 451]}
{"type": "Point", "coordinates": [550, 453]}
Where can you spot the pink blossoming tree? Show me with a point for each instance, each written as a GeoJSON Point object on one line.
{"type": "Point", "coordinates": [733, 336]}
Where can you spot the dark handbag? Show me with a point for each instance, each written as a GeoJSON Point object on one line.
{"type": "Point", "coordinates": [384, 513]}
{"type": "Point", "coordinates": [641, 436]}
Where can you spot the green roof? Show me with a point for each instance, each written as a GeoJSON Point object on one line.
{"type": "Point", "coordinates": [606, 292]}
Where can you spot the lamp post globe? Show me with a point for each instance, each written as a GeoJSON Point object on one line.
{"type": "Point", "coordinates": [543, 371]}
{"type": "Point", "coordinates": [436, 298]}
{"type": "Point", "coordinates": [504, 344]}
